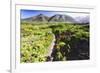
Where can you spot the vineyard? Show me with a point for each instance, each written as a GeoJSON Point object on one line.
{"type": "Point", "coordinates": [71, 42]}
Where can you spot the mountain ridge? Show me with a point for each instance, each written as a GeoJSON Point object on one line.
{"type": "Point", "coordinates": [56, 18]}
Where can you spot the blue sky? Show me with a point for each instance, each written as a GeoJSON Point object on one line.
{"type": "Point", "coordinates": [30, 13]}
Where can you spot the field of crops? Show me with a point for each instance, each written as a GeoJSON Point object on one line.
{"type": "Point", "coordinates": [71, 42]}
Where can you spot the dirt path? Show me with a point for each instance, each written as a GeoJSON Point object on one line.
{"type": "Point", "coordinates": [51, 46]}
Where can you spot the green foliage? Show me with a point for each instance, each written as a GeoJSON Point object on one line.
{"type": "Point", "coordinates": [37, 37]}
{"type": "Point", "coordinates": [34, 43]}
{"type": "Point", "coordinates": [61, 44]}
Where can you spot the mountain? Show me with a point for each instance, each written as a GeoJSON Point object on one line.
{"type": "Point", "coordinates": [84, 20]}
{"type": "Point", "coordinates": [38, 18]}
{"type": "Point", "coordinates": [62, 18]}
{"type": "Point", "coordinates": [56, 18]}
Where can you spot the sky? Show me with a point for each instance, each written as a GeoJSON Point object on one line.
{"type": "Point", "coordinates": [30, 13]}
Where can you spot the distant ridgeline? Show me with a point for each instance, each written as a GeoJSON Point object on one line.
{"type": "Point", "coordinates": [55, 18]}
